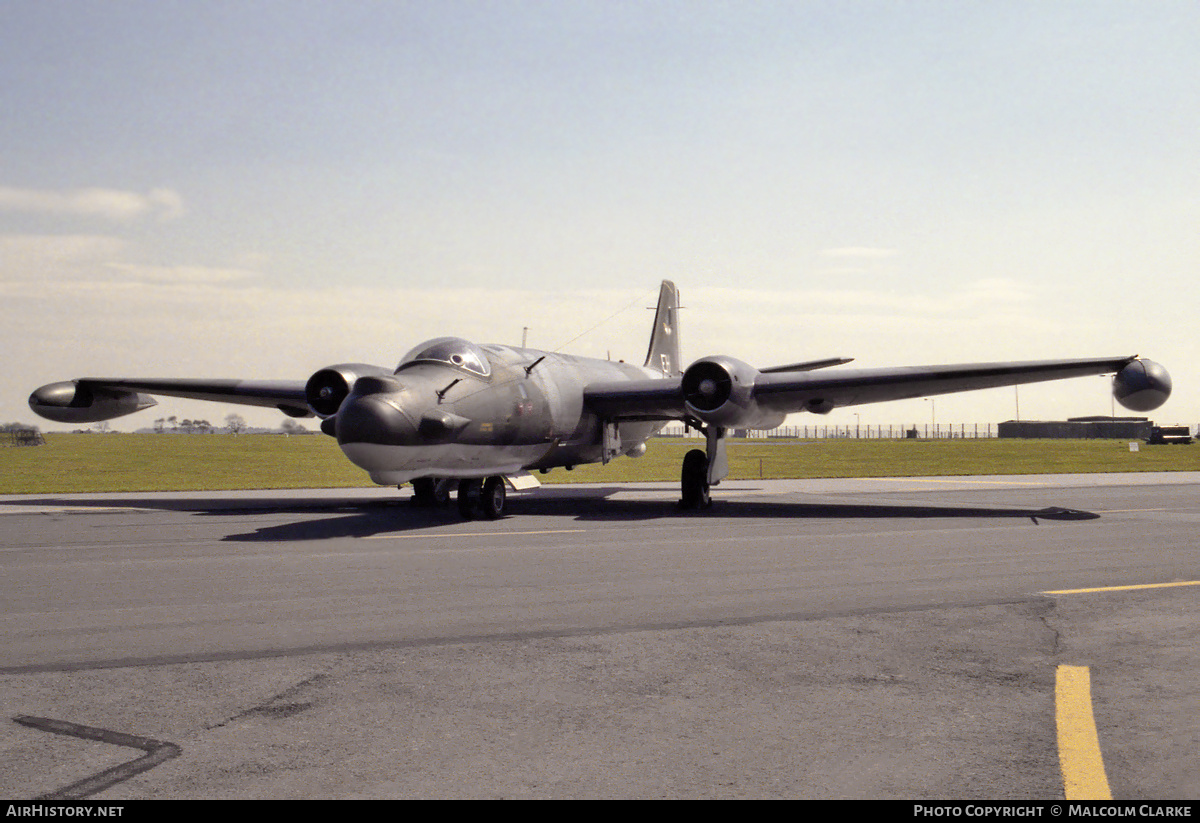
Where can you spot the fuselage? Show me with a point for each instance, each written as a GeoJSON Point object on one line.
{"type": "Point", "coordinates": [457, 409]}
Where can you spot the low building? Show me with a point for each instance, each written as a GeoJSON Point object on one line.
{"type": "Point", "coordinates": [1083, 428]}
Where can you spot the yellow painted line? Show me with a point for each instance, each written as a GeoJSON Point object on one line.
{"type": "Point", "coordinates": [1127, 588]}
{"type": "Point", "coordinates": [430, 535]}
{"type": "Point", "coordinates": [1078, 743]}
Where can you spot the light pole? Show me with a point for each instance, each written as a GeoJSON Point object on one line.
{"type": "Point", "coordinates": [932, 414]}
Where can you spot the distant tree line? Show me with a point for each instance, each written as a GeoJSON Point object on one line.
{"type": "Point", "coordinates": [187, 426]}
{"type": "Point", "coordinates": [234, 424]}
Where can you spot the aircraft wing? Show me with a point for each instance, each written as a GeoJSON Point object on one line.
{"type": "Point", "coordinates": [727, 392]}
{"type": "Point", "coordinates": [788, 391]}
{"type": "Point", "coordinates": [637, 399]}
{"type": "Point", "coordinates": [91, 399]}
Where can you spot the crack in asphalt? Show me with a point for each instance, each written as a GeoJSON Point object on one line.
{"type": "Point", "coordinates": [157, 751]}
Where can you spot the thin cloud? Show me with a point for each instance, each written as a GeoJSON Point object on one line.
{"type": "Point", "coordinates": [985, 293]}
{"type": "Point", "coordinates": [75, 264]}
{"type": "Point", "coordinates": [37, 255]}
{"type": "Point", "coordinates": [181, 274]}
{"type": "Point", "coordinates": [113, 205]}
{"type": "Point", "coordinates": [859, 253]}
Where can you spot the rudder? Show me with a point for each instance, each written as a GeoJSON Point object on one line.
{"type": "Point", "coordinates": [664, 337]}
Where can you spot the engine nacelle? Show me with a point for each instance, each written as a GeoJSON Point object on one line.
{"type": "Point", "coordinates": [720, 390]}
{"type": "Point", "coordinates": [74, 402]}
{"type": "Point", "coordinates": [1142, 385]}
{"type": "Point", "coordinates": [327, 388]}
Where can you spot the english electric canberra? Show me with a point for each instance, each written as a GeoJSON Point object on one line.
{"type": "Point", "coordinates": [457, 415]}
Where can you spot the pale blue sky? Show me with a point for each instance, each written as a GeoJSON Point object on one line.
{"type": "Point", "coordinates": [261, 188]}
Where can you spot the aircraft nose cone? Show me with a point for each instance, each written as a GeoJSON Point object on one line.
{"type": "Point", "coordinates": [373, 419]}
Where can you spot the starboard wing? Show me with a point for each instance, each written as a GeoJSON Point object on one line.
{"type": "Point", "coordinates": [806, 391]}
{"type": "Point", "coordinates": [785, 392]}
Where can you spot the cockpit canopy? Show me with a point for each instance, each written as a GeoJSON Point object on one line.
{"type": "Point", "coordinates": [452, 351]}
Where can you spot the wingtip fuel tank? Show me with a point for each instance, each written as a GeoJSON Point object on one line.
{"type": "Point", "coordinates": [1142, 385]}
{"type": "Point", "coordinates": [75, 401]}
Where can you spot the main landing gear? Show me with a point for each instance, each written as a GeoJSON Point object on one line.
{"type": "Point", "coordinates": [703, 469]}
{"type": "Point", "coordinates": [477, 498]}
{"type": "Point", "coordinates": [694, 481]}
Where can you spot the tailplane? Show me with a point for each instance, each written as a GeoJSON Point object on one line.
{"type": "Point", "coordinates": [664, 338]}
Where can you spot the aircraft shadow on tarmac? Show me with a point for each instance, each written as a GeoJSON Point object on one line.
{"type": "Point", "coordinates": [401, 516]}
{"type": "Point", "coordinates": [366, 518]}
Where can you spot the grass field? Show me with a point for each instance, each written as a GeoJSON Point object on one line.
{"type": "Point", "coordinates": [180, 462]}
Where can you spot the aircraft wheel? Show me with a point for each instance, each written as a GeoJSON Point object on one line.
{"type": "Point", "coordinates": [470, 493]}
{"type": "Point", "coordinates": [694, 481]}
{"type": "Point", "coordinates": [494, 495]}
{"type": "Point", "coordinates": [422, 491]}
{"type": "Point", "coordinates": [430, 492]}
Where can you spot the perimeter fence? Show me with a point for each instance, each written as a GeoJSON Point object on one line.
{"type": "Point", "coordinates": [911, 431]}
{"type": "Point", "coordinates": [18, 436]}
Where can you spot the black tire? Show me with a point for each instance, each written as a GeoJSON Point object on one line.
{"type": "Point", "coordinates": [694, 481]}
{"type": "Point", "coordinates": [469, 494]}
{"type": "Point", "coordinates": [492, 501]}
{"type": "Point", "coordinates": [422, 491]}
{"type": "Point", "coordinates": [430, 492]}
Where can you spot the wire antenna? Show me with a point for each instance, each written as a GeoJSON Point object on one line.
{"type": "Point", "coordinates": [592, 328]}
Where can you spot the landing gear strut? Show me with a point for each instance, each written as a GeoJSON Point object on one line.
{"type": "Point", "coordinates": [703, 469]}
{"type": "Point", "coordinates": [482, 498]}
{"type": "Point", "coordinates": [431, 492]}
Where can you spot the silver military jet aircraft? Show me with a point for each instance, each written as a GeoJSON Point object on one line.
{"type": "Point", "coordinates": [454, 413]}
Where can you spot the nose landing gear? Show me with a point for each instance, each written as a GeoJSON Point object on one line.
{"type": "Point", "coordinates": [431, 492]}
{"type": "Point", "coordinates": [477, 498]}
{"type": "Point", "coordinates": [482, 498]}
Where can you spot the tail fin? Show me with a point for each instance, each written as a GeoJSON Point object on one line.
{"type": "Point", "coordinates": [664, 338]}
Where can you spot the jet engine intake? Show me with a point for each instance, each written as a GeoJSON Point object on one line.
{"type": "Point", "coordinates": [1142, 385]}
{"type": "Point", "coordinates": [327, 388]}
{"type": "Point", "coordinates": [72, 401]}
{"type": "Point", "coordinates": [719, 390]}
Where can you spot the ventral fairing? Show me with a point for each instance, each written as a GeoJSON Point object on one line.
{"type": "Point", "coordinates": [456, 416]}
